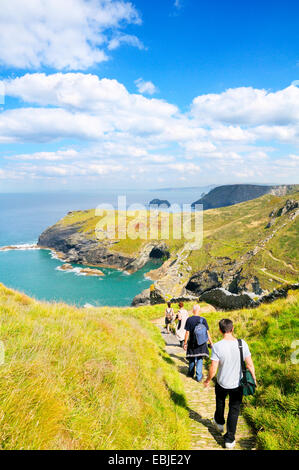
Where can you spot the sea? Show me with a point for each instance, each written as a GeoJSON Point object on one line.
{"type": "Point", "coordinates": [23, 217]}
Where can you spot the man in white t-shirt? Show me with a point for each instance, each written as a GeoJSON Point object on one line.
{"type": "Point", "coordinates": [226, 358]}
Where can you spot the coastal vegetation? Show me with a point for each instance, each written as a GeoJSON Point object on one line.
{"type": "Point", "coordinates": [250, 246]}
{"type": "Point", "coordinates": [85, 379]}
{"type": "Point", "coordinates": [99, 378]}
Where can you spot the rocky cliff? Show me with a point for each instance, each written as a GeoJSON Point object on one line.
{"type": "Point", "coordinates": [76, 246]}
{"type": "Point", "coordinates": [248, 251]}
{"type": "Point", "coordinates": [229, 195]}
{"type": "Point", "coordinates": [241, 280]}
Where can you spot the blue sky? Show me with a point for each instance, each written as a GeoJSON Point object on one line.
{"type": "Point", "coordinates": [108, 93]}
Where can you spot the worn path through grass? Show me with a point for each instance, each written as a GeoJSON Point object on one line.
{"type": "Point", "coordinates": [201, 405]}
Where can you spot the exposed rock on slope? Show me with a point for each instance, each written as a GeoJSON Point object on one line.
{"type": "Point", "coordinates": [224, 276]}
{"type": "Point", "coordinates": [241, 252]}
{"type": "Point", "coordinates": [229, 195]}
{"type": "Point", "coordinates": [74, 246]}
{"type": "Point", "coordinates": [225, 300]}
{"type": "Point", "coordinates": [289, 206]}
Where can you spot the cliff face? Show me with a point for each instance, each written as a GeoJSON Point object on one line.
{"type": "Point", "coordinates": [261, 256]}
{"type": "Point", "coordinates": [74, 246]}
{"type": "Point", "coordinates": [248, 248]}
{"type": "Point", "coordinates": [233, 194]}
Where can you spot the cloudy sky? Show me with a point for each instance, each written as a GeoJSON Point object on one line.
{"type": "Point", "coordinates": [148, 94]}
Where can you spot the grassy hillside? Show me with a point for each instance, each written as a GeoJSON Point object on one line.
{"type": "Point", "coordinates": [228, 232]}
{"type": "Point", "coordinates": [85, 379]}
{"type": "Point", "coordinates": [100, 379]}
{"type": "Point", "coordinates": [233, 231]}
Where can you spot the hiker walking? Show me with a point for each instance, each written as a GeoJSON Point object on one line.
{"type": "Point", "coordinates": [182, 317]}
{"type": "Point", "coordinates": [226, 357]}
{"type": "Point", "coordinates": [195, 343]}
{"type": "Point", "coordinates": [169, 316]}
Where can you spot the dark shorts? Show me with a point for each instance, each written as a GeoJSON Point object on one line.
{"type": "Point", "coordinates": [167, 321]}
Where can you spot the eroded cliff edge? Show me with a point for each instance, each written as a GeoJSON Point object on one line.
{"type": "Point", "coordinates": [249, 250]}
{"type": "Point", "coordinates": [74, 245]}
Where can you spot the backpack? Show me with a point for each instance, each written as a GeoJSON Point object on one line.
{"type": "Point", "coordinates": [169, 314]}
{"type": "Point", "coordinates": [247, 382]}
{"type": "Point", "coordinates": [200, 333]}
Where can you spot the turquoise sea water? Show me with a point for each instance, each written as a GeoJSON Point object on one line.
{"type": "Point", "coordinates": [34, 272]}
{"type": "Point", "coordinates": [22, 219]}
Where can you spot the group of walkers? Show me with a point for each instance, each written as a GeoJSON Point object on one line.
{"type": "Point", "coordinates": [230, 357]}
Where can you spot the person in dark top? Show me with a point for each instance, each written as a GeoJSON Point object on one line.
{"type": "Point", "coordinates": [195, 352]}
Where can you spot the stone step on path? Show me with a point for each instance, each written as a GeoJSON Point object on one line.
{"type": "Point", "coordinates": [201, 404]}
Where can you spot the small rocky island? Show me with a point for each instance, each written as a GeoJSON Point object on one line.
{"type": "Point", "coordinates": [160, 203]}
{"type": "Point", "coordinates": [86, 271]}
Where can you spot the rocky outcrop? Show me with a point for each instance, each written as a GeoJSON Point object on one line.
{"type": "Point", "coordinates": [154, 296]}
{"type": "Point", "coordinates": [66, 267]}
{"type": "Point", "coordinates": [74, 246]}
{"type": "Point", "coordinates": [151, 251]}
{"type": "Point", "coordinates": [142, 299]}
{"type": "Point", "coordinates": [160, 202]}
{"type": "Point", "coordinates": [24, 247]}
{"type": "Point", "coordinates": [225, 273]}
{"type": "Point", "coordinates": [203, 281]}
{"type": "Point", "coordinates": [86, 271]}
{"type": "Point", "coordinates": [233, 283]}
{"type": "Point", "coordinates": [229, 195]}
{"type": "Point", "coordinates": [225, 300]}
{"type": "Point", "coordinates": [279, 293]}
{"type": "Point", "coordinates": [170, 280]}
{"type": "Point", "coordinates": [290, 206]}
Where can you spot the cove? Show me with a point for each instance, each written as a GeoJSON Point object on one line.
{"type": "Point", "coordinates": [35, 273]}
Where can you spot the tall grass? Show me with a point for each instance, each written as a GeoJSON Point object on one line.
{"type": "Point", "coordinates": [100, 379]}
{"type": "Point", "coordinates": [86, 379]}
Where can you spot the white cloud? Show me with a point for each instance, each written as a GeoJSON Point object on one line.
{"type": "Point", "coordinates": [145, 87]}
{"type": "Point", "coordinates": [248, 106]}
{"type": "Point", "coordinates": [127, 39]}
{"type": "Point", "coordinates": [60, 155]}
{"type": "Point", "coordinates": [84, 92]}
{"type": "Point", "coordinates": [45, 125]}
{"type": "Point", "coordinates": [68, 34]}
{"type": "Point", "coordinates": [133, 136]}
{"type": "Point", "coordinates": [199, 147]}
{"type": "Point", "coordinates": [184, 167]}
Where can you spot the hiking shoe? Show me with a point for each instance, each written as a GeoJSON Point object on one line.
{"type": "Point", "coordinates": [219, 427]}
{"type": "Point", "coordinates": [230, 445]}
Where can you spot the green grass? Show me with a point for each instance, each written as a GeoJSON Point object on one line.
{"type": "Point", "coordinates": [270, 331]}
{"type": "Point", "coordinates": [100, 379]}
{"type": "Point", "coordinates": [86, 379]}
{"type": "Point", "coordinates": [228, 232]}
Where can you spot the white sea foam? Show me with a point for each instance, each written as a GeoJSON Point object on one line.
{"type": "Point", "coordinates": [54, 255]}
{"type": "Point", "coordinates": [76, 271]}
{"type": "Point", "coordinates": [22, 247]}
